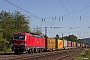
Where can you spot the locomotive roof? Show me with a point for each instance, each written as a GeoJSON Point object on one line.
{"type": "Point", "coordinates": [34, 34]}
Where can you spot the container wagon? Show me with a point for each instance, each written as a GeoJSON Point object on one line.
{"type": "Point", "coordinates": [74, 45]}
{"type": "Point", "coordinates": [69, 45]}
{"type": "Point", "coordinates": [51, 44]}
{"type": "Point", "coordinates": [60, 44]}
{"type": "Point", "coordinates": [77, 45]}
{"type": "Point", "coordinates": [65, 44]}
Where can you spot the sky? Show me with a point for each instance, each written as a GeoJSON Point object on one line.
{"type": "Point", "coordinates": [64, 16]}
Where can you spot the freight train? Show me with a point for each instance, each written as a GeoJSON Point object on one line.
{"type": "Point", "coordinates": [31, 43]}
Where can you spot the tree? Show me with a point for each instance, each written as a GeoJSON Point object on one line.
{"type": "Point", "coordinates": [4, 45]}
{"type": "Point", "coordinates": [70, 38]}
{"type": "Point", "coordinates": [3, 42]}
{"type": "Point", "coordinates": [65, 37]}
{"type": "Point", "coordinates": [11, 23]}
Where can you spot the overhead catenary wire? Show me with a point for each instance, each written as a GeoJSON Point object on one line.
{"type": "Point", "coordinates": [67, 12]}
{"type": "Point", "coordinates": [51, 17]}
{"type": "Point", "coordinates": [71, 7]}
{"type": "Point", "coordinates": [64, 31]}
{"type": "Point", "coordinates": [60, 18]}
{"type": "Point", "coordinates": [44, 19]}
{"type": "Point", "coordinates": [43, 7]}
{"type": "Point", "coordinates": [71, 13]}
{"type": "Point", "coordinates": [74, 11]}
{"type": "Point", "coordinates": [23, 10]}
{"type": "Point", "coordinates": [78, 11]}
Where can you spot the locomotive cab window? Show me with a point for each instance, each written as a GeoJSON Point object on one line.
{"type": "Point", "coordinates": [19, 37]}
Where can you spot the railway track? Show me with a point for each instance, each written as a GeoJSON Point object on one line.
{"type": "Point", "coordinates": [54, 55]}
{"type": "Point", "coordinates": [67, 57]}
{"type": "Point", "coordinates": [71, 55]}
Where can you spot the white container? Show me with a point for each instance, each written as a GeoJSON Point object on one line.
{"type": "Point", "coordinates": [65, 44]}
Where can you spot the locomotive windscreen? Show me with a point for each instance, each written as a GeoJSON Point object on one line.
{"type": "Point", "coordinates": [19, 37]}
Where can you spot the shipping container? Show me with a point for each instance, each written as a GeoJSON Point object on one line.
{"type": "Point", "coordinates": [83, 45]}
{"type": "Point", "coordinates": [69, 44]}
{"type": "Point", "coordinates": [60, 44]}
{"type": "Point", "coordinates": [65, 44]}
{"type": "Point", "coordinates": [77, 44]}
{"type": "Point", "coordinates": [74, 44]}
{"type": "Point", "coordinates": [51, 43]}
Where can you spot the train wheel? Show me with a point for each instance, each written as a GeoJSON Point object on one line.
{"type": "Point", "coordinates": [32, 50]}
{"type": "Point", "coordinates": [37, 50]}
{"type": "Point", "coordinates": [15, 52]}
{"type": "Point", "coordinates": [27, 52]}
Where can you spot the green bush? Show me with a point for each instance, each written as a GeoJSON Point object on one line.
{"type": "Point", "coordinates": [4, 45]}
{"type": "Point", "coordinates": [84, 55]}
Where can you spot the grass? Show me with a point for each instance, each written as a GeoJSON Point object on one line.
{"type": "Point", "coordinates": [8, 51]}
{"type": "Point", "coordinates": [84, 55]}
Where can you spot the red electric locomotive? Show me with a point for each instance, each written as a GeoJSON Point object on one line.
{"type": "Point", "coordinates": [27, 42]}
